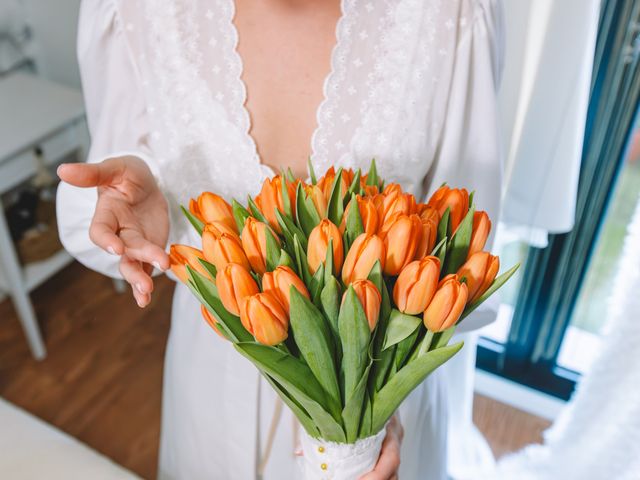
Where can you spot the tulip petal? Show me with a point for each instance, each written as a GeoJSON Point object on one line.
{"type": "Point", "coordinates": [497, 283]}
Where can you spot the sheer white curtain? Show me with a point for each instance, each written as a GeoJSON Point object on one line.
{"type": "Point", "coordinates": [597, 436]}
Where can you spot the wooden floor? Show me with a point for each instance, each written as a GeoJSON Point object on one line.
{"type": "Point", "coordinates": [102, 379]}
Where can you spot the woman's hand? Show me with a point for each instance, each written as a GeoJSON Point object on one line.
{"type": "Point", "coordinates": [389, 461]}
{"type": "Point", "coordinates": [131, 217]}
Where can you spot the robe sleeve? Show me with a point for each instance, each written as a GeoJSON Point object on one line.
{"type": "Point", "coordinates": [470, 151]}
{"type": "Point", "coordinates": [117, 118]}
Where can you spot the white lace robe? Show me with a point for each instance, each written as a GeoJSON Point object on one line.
{"type": "Point", "coordinates": [412, 84]}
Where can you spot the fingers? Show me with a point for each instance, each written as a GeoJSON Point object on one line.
{"type": "Point", "coordinates": [103, 230]}
{"type": "Point", "coordinates": [107, 172]}
{"type": "Point", "coordinates": [140, 281]}
{"type": "Point", "coordinates": [136, 246]}
{"type": "Point", "coordinates": [389, 461]}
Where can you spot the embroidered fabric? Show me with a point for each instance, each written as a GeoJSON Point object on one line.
{"type": "Point", "coordinates": [338, 461]}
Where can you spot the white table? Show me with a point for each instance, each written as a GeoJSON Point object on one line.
{"type": "Point", "coordinates": [34, 113]}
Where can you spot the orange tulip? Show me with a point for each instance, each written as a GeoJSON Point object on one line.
{"type": "Point", "coordinates": [270, 199]}
{"type": "Point", "coordinates": [446, 305]}
{"type": "Point", "coordinates": [480, 271]}
{"type": "Point", "coordinates": [223, 250]}
{"type": "Point", "coordinates": [325, 183]}
{"type": "Point", "coordinates": [209, 208]}
{"type": "Point", "coordinates": [362, 256]}
{"type": "Point", "coordinates": [396, 202]}
{"type": "Point", "coordinates": [212, 232]}
{"type": "Point", "coordinates": [392, 188]}
{"type": "Point", "coordinates": [265, 318]}
{"type": "Point", "coordinates": [480, 232]}
{"type": "Point", "coordinates": [369, 190]}
{"type": "Point", "coordinates": [254, 242]}
{"type": "Point", "coordinates": [279, 284]}
{"type": "Point", "coordinates": [401, 234]}
{"type": "Point", "coordinates": [182, 255]}
{"type": "Point", "coordinates": [370, 299]}
{"type": "Point", "coordinates": [429, 220]}
{"type": "Point", "coordinates": [211, 320]}
{"type": "Point", "coordinates": [235, 284]}
{"type": "Point", "coordinates": [319, 242]}
{"type": "Point", "coordinates": [318, 198]}
{"type": "Point", "coordinates": [368, 213]}
{"type": "Point", "coordinates": [416, 285]}
{"type": "Point", "coordinates": [455, 199]}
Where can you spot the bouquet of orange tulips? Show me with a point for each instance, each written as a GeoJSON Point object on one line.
{"type": "Point", "coordinates": [344, 292]}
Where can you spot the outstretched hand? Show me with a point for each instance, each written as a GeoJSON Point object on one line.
{"type": "Point", "coordinates": [131, 217]}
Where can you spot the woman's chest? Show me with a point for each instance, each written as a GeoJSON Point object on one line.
{"type": "Point", "coordinates": [383, 95]}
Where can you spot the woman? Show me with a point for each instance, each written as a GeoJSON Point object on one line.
{"type": "Point", "coordinates": [187, 96]}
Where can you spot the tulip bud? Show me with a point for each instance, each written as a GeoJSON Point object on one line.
{"type": "Point", "coordinates": [212, 232]}
{"type": "Point", "coordinates": [479, 272]}
{"type": "Point", "coordinates": [279, 284]}
{"type": "Point", "coordinates": [265, 318]}
{"type": "Point", "coordinates": [209, 208]}
{"type": "Point", "coordinates": [480, 232]}
{"type": "Point", "coordinates": [325, 183]}
{"type": "Point", "coordinates": [362, 256]}
{"type": "Point", "coordinates": [210, 319]}
{"type": "Point", "coordinates": [368, 214]}
{"type": "Point", "coordinates": [446, 305]}
{"type": "Point", "coordinates": [235, 284]}
{"type": "Point", "coordinates": [455, 199]}
{"type": "Point", "coordinates": [401, 234]}
{"type": "Point", "coordinates": [396, 202]}
{"type": "Point", "coordinates": [270, 199]}
{"type": "Point", "coordinates": [319, 242]}
{"type": "Point", "coordinates": [369, 298]}
{"type": "Point", "coordinates": [416, 285]}
{"type": "Point", "coordinates": [392, 189]}
{"type": "Point", "coordinates": [254, 242]}
{"type": "Point", "coordinates": [182, 255]}
{"type": "Point", "coordinates": [223, 250]}
{"type": "Point", "coordinates": [429, 219]}
{"type": "Point", "coordinates": [318, 198]}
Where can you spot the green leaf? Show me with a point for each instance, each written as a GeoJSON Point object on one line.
{"type": "Point", "coordinates": [354, 336]}
{"type": "Point", "coordinates": [298, 380]}
{"type": "Point", "coordinates": [317, 283]}
{"type": "Point", "coordinates": [290, 176]}
{"type": "Point", "coordinates": [273, 250]}
{"type": "Point", "coordinates": [353, 225]}
{"type": "Point", "coordinates": [197, 224]}
{"type": "Point", "coordinates": [240, 214]}
{"type": "Point", "coordinates": [306, 214]}
{"type": "Point", "coordinates": [497, 283]}
{"type": "Point", "coordinates": [255, 211]}
{"type": "Point", "coordinates": [312, 173]}
{"type": "Point", "coordinates": [401, 325]}
{"type": "Point", "coordinates": [303, 417]}
{"type": "Point", "coordinates": [381, 367]}
{"type": "Point", "coordinates": [441, 339]}
{"type": "Point", "coordinates": [301, 261]}
{"type": "Point", "coordinates": [335, 205]}
{"type": "Point", "coordinates": [372, 176]}
{"type": "Point", "coordinates": [286, 260]}
{"type": "Point", "coordinates": [355, 184]}
{"type": "Point", "coordinates": [209, 267]}
{"type": "Point", "coordinates": [443, 225]}
{"type": "Point", "coordinates": [290, 230]}
{"type": "Point", "coordinates": [459, 245]}
{"type": "Point", "coordinates": [330, 303]}
{"type": "Point", "coordinates": [365, 426]}
{"type": "Point", "coordinates": [311, 333]}
{"type": "Point", "coordinates": [389, 398]}
{"type": "Point", "coordinates": [286, 201]}
{"type": "Point", "coordinates": [207, 293]}
{"type": "Point", "coordinates": [404, 348]}
{"type": "Point", "coordinates": [352, 412]}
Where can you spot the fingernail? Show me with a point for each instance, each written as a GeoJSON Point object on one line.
{"type": "Point", "coordinates": [157, 266]}
{"type": "Point", "coordinates": [111, 250]}
{"type": "Point", "coordinates": [139, 302]}
{"type": "Point", "coordinates": [140, 288]}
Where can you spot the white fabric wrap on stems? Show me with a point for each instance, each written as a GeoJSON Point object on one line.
{"type": "Point", "coordinates": [339, 461]}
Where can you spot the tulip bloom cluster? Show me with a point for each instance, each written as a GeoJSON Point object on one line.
{"type": "Point", "coordinates": [343, 291]}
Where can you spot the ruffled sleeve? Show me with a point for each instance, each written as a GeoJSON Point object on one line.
{"type": "Point", "coordinates": [470, 154]}
{"type": "Point", "coordinates": [118, 124]}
